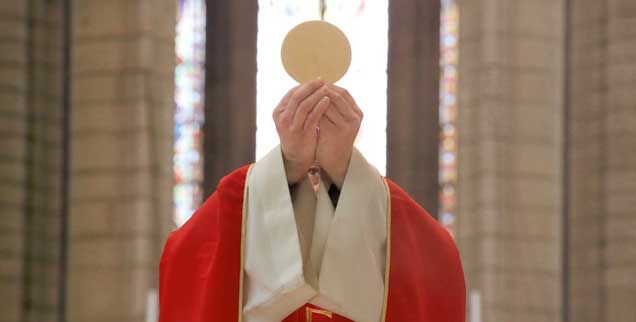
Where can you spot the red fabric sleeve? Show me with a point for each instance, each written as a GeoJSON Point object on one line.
{"type": "Point", "coordinates": [200, 266]}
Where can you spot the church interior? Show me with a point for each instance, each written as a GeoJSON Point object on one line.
{"type": "Point", "coordinates": [512, 122]}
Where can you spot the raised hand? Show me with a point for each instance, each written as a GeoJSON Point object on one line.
{"type": "Point", "coordinates": [338, 129]}
{"type": "Point", "coordinates": [296, 118]}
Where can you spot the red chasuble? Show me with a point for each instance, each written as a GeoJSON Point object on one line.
{"type": "Point", "coordinates": [201, 266]}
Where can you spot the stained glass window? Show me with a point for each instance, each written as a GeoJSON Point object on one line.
{"type": "Point", "coordinates": [366, 25]}
{"type": "Point", "coordinates": [189, 89]}
{"type": "Point", "coordinates": [449, 34]}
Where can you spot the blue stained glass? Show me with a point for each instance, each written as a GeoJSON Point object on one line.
{"type": "Point", "coordinates": [449, 36]}
{"type": "Point", "coordinates": [188, 114]}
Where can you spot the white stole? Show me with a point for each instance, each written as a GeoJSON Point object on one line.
{"type": "Point", "coordinates": [302, 251]}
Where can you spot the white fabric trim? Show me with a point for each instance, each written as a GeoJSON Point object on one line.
{"type": "Point", "coordinates": [284, 249]}
{"type": "Point", "coordinates": [356, 243]}
{"type": "Point", "coordinates": [274, 283]}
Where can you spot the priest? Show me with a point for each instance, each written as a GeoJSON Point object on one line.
{"type": "Point", "coordinates": [269, 246]}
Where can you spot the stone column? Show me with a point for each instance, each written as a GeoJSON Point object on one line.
{"type": "Point", "coordinates": [602, 159]}
{"type": "Point", "coordinates": [31, 160]}
{"type": "Point", "coordinates": [620, 161]}
{"type": "Point", "coordinates": [230, 89]}
{"type": "Point", "coordinates": [122, 143]}
{"type": "Point", "coordinates": [413, 99]}
{"type": "Point", "coordinates": [509, 184]}
{"type": "Point", "coordinates": [13, 96]}
{"type": "Point", "coordinates": [44, 163]}
{"type": "Point", "coordinates": [587, 94]}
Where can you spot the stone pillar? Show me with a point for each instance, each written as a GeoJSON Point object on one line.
{"type": "Point", "coordinates": [31, 161]}
{"type": "Point", "coordinates": [587, 94]}
{"type": "Point", "coordinates": [13, 96]}
{"type": "Point", "coordinates": [230, 89]}
{"type": "Point", "coordinates": [44, 163]}
{"type": "Point", "coordinates": [510, 151]}
{"type": "Point", "coordinates": [602, 134]}
{"type": "Point", "coordinates": [620, 161]}
{"type": "Point", "coordinates": [122, 143]}
{"type": "Point", "coordinates": [413, 99]}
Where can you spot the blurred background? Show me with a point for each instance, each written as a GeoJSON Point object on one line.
{"type": "Point", "coordinates": [513, 122]}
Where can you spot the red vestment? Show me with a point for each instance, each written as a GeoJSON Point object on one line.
{"type": "Point", "coordinates": [200, 267]}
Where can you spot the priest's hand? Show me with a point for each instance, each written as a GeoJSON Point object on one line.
{"type": "Point", "coordinates": [296, 118]}
{"type": "Point", "coordinates": [338, 129]}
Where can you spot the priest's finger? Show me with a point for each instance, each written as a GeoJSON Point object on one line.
{"type": "Point", "coordinates": [345, 93]}
{"type": "Point", "coordinates": [282, 104]}
{"type": "Point", "coordinates": [306, 106]}
{"type": "Point", "coordinates": [316, 114]}
{"type": "Point", "coordinates": [287, 116]}
{"type": "Point", "coordinates": [342, 106]}
{"type": "Point", "coordinates": [333, 116]}
{"type": "Point", "coordinates": [342, 91]}
{"type": "Point", "coordinates": [325, 124]}
{"type": "Point", "coordinates": [299, 95]}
